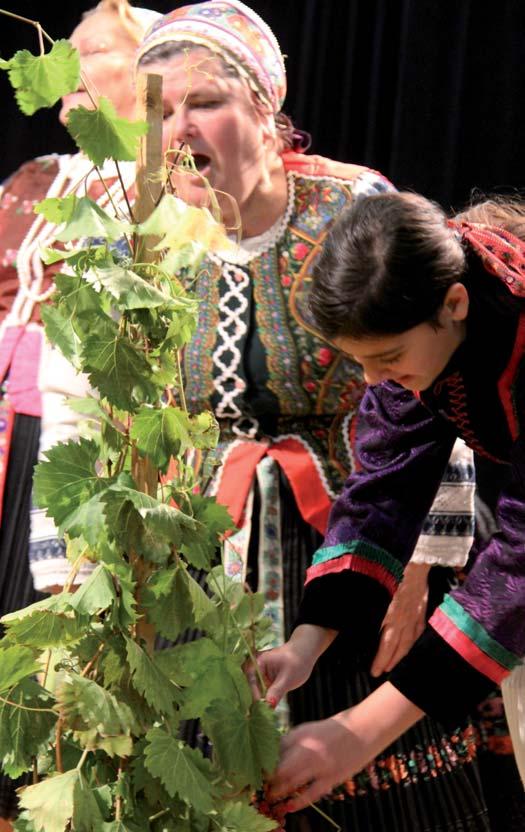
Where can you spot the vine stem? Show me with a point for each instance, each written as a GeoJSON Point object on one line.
{"type": "Point", "coordinates": [248, 646]}
{"type": "Point", "coordinates": [93, 660]}
{"type": "Point", "coordinates": [181, 384]}
{"type": "Point", "coordinates": [34, 23]}
{"type": "Point", "coordinates": [27, 708]}
{"type": "Point", "coordinates": [126, 198]}
{"type": "Point", "coordinates": [159, 815]}
{"type": "Point", "coordinates": [58, 746]}
{"type": "Point", "coordinates": [82, 759]}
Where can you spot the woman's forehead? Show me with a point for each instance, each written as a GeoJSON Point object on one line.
{"type": "Point", "coordinates": [193, 71]}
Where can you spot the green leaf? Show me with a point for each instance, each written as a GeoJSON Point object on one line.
{"type": "Point", "coordinates": [23, 732]}
{"type": "Point", "coordinates": [246, 748]}
{"type": "Point", "coordinates": [55, 802]}
{"type": "Point", "coordinates": [97, 593]}
{"type": "Point", "coordinates": [79, 300]}
{"type": "Point", "coordinates": [15, 664]}
{"type": "Point", "coordinates": [121, 826]}
{"type": "Point", "coordinates": [204, 430]}
{"type": "Point", "coordinates": [174, 602]}
{"type": "Point", "coordinates": [87, 219]}
{"type": "Point", "coordinates": [48, 623]}
{"type": "Point", "coordinates": [117, 368]}
{"type": "Point", "coordinates": [57, 210]}
{"type": "Point", "coordinates": [241, 817]}
{"type": "Point", "coordinates": [128, 288]}
{"type": "Point", "coordinates": [157, 689]}
{"type": "Point", "coordinates": [200, 549]}
{"type": "Point", "coordinates": [23, 823]}
{"type": "Point", "coordinates": [98, 719]}
{"type": "Point", "coordinates": [50, 803]}
{"type": "Point", "coordinates": [67, 480]}
{"type": "Point", "coordinates": [61, 333]}
{"type": "Point", "coordinates": [161, 433]}
{"type": "Point", "coordinates": [102, 135]}
{"type": "Point", "coordinates": [164, 521]}
{"type": "Point", "coordinates": [183, 771]}
{"type": "Point", "coordinates": [41, 81]}
{"type": "Point", "coordinates": [185, 662]}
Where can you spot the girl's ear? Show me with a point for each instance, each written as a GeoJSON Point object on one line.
{"type": "Point", "coordinates": [456, 302]}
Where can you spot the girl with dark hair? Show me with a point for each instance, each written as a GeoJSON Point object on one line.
{"type": "Point", "coordinates": [434, 311]}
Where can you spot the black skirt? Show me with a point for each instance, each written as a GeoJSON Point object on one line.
{"type": "Point", "coordinates": [16, 584]}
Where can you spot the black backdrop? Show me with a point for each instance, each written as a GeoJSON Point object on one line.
{"type": "Point", "coordinates": [430, 92]}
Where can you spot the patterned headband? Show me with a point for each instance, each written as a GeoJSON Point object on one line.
{"type": "Point", "coordinates": [502, 253]}
{"type": "Point", "coordinates": [237, 34]}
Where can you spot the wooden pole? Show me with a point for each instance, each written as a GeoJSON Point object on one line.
{"type": "Point", "coordinates": [148, 190]}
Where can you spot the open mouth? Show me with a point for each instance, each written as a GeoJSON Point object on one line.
{"type": "Point", "coordinates": [202, 162]}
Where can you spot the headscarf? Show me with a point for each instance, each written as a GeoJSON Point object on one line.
{"type": "Point", "coordinates": [144, 17]}
{"type": "Point", "coordinates": [236, 33]}
{"type": "Point", "coordinates": [501, 252]}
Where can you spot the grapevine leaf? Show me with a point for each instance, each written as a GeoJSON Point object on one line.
{"type": "Point", "coordinates": [164, 521]}
{"type": "Point", "coordinates": [78, 299]}
{"type": "Point", "coordinates": [161, 433]}
{"type": "Point", "coordinates": [185, 228]}
{"type": "Point", "coordinates": [60, 332]}
{"type": "Point", "coordinates": [15, 664]}
{"type": "Point", "coordinates": [40, 81]}
{"type": "Point", "coordinates": [183, 663]}
{"type": "Point", "coordinates": [241, 817]}
{"type": "Point", "coordinates": [130, 290]}
{"type": "Point", "coordinates": [23, 732]}
{"type": "Point", "coordinates": [102, 135]}
{"type": "Point", "coordinates": [204, 430]}
{"type": "Point", "coordinates": [214, 520]}
{"type": "Point", "coordinates": [85, 703]}
{"type": "Point", "coordinates": [157, 689]}
{"type": "Point", "coordinates": [67, 480]}
{"type": "Point", "coordinates": [183, 771]}
{"type": "Point", "coordinates": [246, 748]}
{"type": "Point", "coordinates": [121, 826]}
{"type": "Point", "coordinates": [48, 623]}
{"type": "Point", "coordinates": [23, 823]}
{"type": "Point", "coordinates": [57, 210]}
{"type": "Point", "coordinates": [87, 219]}
{"type": "Point", "coordinates": [219, 679]}
{"type": "Point", "coordinates": [50, 803]}
{"type": "Point", "coordinates": [97, 593]}
{"type": "Point", "coordinates": [175, 602]}
{"type": "Point", "coordinates": [117, 368]}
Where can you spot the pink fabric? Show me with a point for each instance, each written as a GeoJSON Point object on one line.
{"type": "Point", "coordinates": [20, 352]}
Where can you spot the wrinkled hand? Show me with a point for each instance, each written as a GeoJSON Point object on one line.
{"type": "Point", "coordinates": [316, 757]}
{"type": "Point", "coordinates": [288, 667]}
{"type": "Point", "coordinates": [405, 619]}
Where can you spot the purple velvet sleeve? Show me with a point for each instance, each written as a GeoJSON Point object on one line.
{"type": "Point", "coordinates": [374, 525]}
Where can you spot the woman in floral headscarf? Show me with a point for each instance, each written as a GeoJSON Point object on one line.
{"type": "Point", "coordinates": [36, 376]}
{"type": "Point", "coordinates": [285, 399]}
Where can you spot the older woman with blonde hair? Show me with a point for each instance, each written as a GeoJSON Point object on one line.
{"type": "Point", "coordinates": [286, 400]}
{"type": "Point", "coordinates": [34, 377]}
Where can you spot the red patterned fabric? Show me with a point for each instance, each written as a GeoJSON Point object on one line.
{"type": "Point", "coordinates": [502, 253]}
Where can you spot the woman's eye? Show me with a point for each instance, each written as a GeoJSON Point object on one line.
{"type": "Point", "coordinates": [206, 105]}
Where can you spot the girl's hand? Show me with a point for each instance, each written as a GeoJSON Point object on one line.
{"type": "Point", "coordinates": [405, 619]}
{"type": "Point", "coordinates": [318, 756]}
{"type": "Point", "coordinates": [288, 667]}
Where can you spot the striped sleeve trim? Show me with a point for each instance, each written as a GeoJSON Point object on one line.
{"type": "Point", "coordinates": [472, 642]}
{"type": "Point", "coordinates": [357, 556]}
